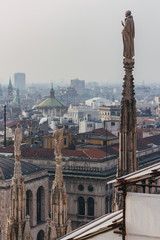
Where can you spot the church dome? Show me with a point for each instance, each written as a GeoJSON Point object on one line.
{"type": "Point", "coordinates": [51, 102]}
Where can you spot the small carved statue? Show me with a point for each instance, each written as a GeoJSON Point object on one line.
{"type": "Point", "coordinates": [18, 137]}
{"type": "Point", "coordinates": [128, 34]}
{"type": "Point", "coordinates": [58, 140]}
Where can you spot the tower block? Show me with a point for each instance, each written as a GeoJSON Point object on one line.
{"type": "Point", "coordinates": [127, 162]}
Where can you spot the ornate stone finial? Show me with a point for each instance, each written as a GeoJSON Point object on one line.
{"type": "Point", "coordinates": [27, 229]}
{"type": "Point", "coordinates": [53, 231]}
{"type": "Point", "coordinates": [20, 232]}
{"type": "Point", "coordinates": [69, 226]}
{"type": "Point", "coordinates": [128, 34]}
{"type": "Point", "coordinates": [58, 140]}
{"type": "Point", "coordinates": [18, 136]}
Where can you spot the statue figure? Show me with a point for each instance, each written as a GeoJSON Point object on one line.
{"type": "Point", "coordinates": [128, 34]}
{"type": "Point", "coordinates": [58, 140]}
{"type": "Point", "coordinates": [18, 136]}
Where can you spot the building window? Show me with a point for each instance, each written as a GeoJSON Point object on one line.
{"type": "Point", "coordinates": [110, 204]}
{"type": "Point", "coordinates": [29, 205]}
{"type": "Point", "coordinates": [65, 141]}
{"type": "Point", "coordinates": [40, 235]}
{"type": "Point", "coordinates": [40, 205]}
{"type": "Point", "coordinates": [90, 188]}
{"type": "Point", "coordinates": [112, 123]}
{"type": "Point", "coordinates": [81, 206]}
{"type": "Point", "coordinates": [90, 205]}
{"type": "Point", "coordinates": [80, 187]}
{"type": "Point", "coordinates": [106, 205]}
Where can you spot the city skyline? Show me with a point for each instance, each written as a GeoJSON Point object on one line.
{"type": "Point", "coordinates": [56, 41]}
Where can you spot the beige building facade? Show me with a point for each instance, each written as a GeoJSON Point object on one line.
{"type": "Point", "coordinates": [109, 113]}
{"type": "Point", "coordinates": [36, 194]}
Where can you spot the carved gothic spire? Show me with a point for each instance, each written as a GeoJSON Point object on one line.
{"type": "Point", "coordinates": [16, 221]}
{"type": "Point", "coordinates": [127, 133]}
{"type": "Point", "coordinates": [58, 225]}
{"type": "Point", "coordinates": [127, 161]}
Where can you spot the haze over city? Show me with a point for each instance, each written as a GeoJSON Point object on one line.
{"type": "Point", "coordinates": [79, 120]}
{"type": "Point", "coordinates": [55, 41]}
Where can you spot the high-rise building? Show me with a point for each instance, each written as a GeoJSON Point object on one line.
{"type": "Point", "coordinates": [20, 81]}
{"type": "Point", "coordinates": [78, 85]}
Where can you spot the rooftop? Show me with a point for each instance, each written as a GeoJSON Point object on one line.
{"type": "Point", "coordinates": [7, 168]}
{"type": "Point", "coordinates": [51, 103]}
{"type": "Point", "coordinates": [102, 224]}
{"type": "Point", "coordinates": [99, 132]}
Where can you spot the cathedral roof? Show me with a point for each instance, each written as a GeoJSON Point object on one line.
{"type": "Point", "coordinates": [94, 229]}
{"type": "Point", "coordinates": [51, 102]}
{"type": "Point", "coordinates": [7, 168]}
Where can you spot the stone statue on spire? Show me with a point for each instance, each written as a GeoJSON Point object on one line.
{"type": "Point", "coordinates": [128, 34]}
{"type": "Point", "coordinates": [58, 140]}
{"type": "Point", "coordinates": [18, 137]}
{"type": "Point", "coordinates": [127, 131]}
{"type": "Point", "coordinates": [127, 161]}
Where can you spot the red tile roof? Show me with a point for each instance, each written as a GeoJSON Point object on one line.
{"type": "Point", "coordinates": [153, 139]}
{"type": "Point", "coordinates": [23, 122]}
{"type": "Point", "coordinates": [73, 153]}
{"type": "Point", "coordinates": [98, 153]}
{"type": "Point", "coordinates": [142, 144]}
{"type": "Point", "coordinates": [99, 131]}
{"type": "Point", "coordinates": [111, 149]}
{"type": "Point", "coordinates": [116, 148]}
{"type": "Point", "coordinates": [12, 124]}
{"type": "Point", "coordinates": [43, 153]}
{"type": "Point", "coordinates": [95, 153]}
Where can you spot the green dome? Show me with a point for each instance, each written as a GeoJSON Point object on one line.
{"type": "Point", "coordinates": [51, 102]}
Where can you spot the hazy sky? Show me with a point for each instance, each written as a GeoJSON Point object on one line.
{"type": "Point", "coordinates": [58, 40]}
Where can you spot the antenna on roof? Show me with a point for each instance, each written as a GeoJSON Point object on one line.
{"type": "Point", "coordinates": [5, 126]}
